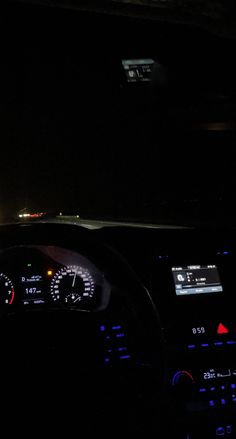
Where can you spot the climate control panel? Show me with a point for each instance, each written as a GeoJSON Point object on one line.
{"type": "Point", "coordinates": [208, 389]}
{"type": "Point", "coordinates": [201, 376]}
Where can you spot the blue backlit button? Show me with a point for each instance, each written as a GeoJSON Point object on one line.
{"type": "Point", "coordinates": [222, 387]}
{"type": "Point", "coordinates": [220, 431]}
{"type": "Point", "coordinates": [229, 429]}
{"type": "Point", "coordinates": [116, 328]}
{"type": "Point", "coordinates": [234, 398]}
{"type": "Point", "coordinates": [212, 389]}
{"type": "Point", "coordinates": [125, 357]}
{"type": "Point", "coordinates": [191, 346]}
{"type": "Point", "coordinates": [233, 386]}
{"type": "Point", "coordinates": [211, 403]}
{"type": "Point", "coordinates": [202, 390]}
{"type": "Point", "coordinates": [223, 401]}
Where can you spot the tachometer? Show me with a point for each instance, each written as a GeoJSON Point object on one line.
{"type": "Point", "coordinates": [7, 292]}
{"type": "Point", "coordinates": [72, 285]}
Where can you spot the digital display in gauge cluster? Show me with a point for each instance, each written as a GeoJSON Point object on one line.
{"type": "Point", "coordinates": [32, 289]}
{"type": "Point", "coordinates": [51, 276]}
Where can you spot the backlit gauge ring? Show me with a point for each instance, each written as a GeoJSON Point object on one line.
{"type": "Point", "coordinates": [7, 293]}
{"type": "Point", "coordinates": [72, 284]}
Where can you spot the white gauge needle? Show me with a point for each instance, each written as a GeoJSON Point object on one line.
{"type": "Point", "coordinates": [73, 283]}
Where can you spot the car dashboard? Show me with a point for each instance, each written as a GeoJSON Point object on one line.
{"type": "Point", "coordinates": [190, 275]}
{"type": "Point", "coordinates": [150, 328]}
{"type": "Point", "coordinates": [34, 276]}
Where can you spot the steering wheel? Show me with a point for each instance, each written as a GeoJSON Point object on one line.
{"type": "Point", "coordinates": [91, 368]}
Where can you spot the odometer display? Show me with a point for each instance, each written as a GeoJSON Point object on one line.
{"type": "Point", "coordinates": [72, 285]}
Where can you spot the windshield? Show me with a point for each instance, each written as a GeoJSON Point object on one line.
{"type": "Point", "coordinates": [78, 137]}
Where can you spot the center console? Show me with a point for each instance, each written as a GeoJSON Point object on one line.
{"type": "Point", "coordinates": [195, 298]}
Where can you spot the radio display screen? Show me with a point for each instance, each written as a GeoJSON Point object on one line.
{"type": "Point", "coordinates": [137, 70]}
{"type": "Point", "coordinates": [196, 279]}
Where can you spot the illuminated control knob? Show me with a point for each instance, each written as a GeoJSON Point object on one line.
{"type": "Point", "coordinates": [183, 382]}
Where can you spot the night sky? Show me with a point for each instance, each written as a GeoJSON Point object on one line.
{"type": "Point", "coordinates": [68, 142]}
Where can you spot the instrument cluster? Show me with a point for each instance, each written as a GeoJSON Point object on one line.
{"type": "Point", "coordinates": [33, 276]}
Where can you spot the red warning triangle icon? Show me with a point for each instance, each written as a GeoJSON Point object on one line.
{"type": "Point", "coordinates": [222, 329]}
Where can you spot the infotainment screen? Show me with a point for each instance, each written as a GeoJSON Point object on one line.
{"type": "Point", "coordinates": [138, 70]}
{"type": "Point", "coordinates": [196, 279]}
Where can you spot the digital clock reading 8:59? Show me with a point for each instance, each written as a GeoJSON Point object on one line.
{"type": "Point", "coordinates": [198, 330]}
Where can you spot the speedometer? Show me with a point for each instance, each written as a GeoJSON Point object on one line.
{"type": "Point", "coordinates": [72, 285]}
